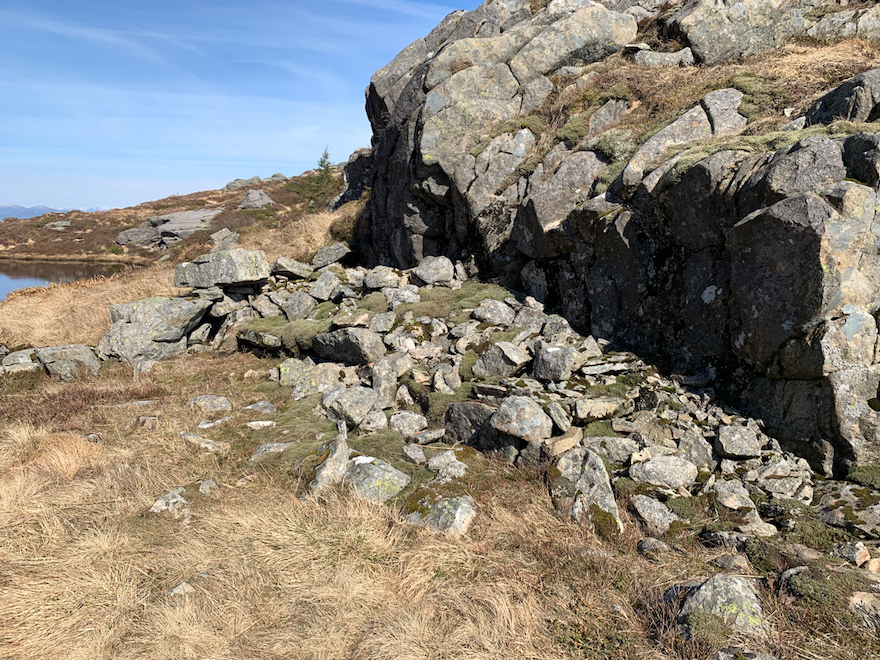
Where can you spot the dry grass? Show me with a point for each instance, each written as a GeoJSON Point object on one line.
{"type": "Point", "coordinates": [84, 567]}
{"type": "Point", "coordinates": [77, 312]}
{"type": "Point", "coordinates": [302, 236]}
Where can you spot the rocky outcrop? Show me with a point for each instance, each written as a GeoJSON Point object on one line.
{"type": "Point", "coordinates": [681, 257]}
{"type": "Point", "coordinates": [162, 231]}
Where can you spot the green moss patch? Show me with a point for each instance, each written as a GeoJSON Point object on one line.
{"type": "Point", "coordinates": [867, 475]}
{"type": "Point", "coordinates": [301, 334]}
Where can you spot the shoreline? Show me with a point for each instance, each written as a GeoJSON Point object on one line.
{"type": "Point", "coordinates": [81, 259]}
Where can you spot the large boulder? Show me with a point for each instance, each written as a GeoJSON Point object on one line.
{"type": "Point", "coordinates": [66, 361]}
{"type": "Point", "coordinates": [162, 231]}
{"type": "Point", "coordinates": [152, 329]}
{"type": "Point", "coordinates": [226, 267]}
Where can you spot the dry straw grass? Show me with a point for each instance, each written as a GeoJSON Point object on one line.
{"type": "Point", "coordinates": [302, 236]}
{"type": "Point", "coordinates": [77, 312]}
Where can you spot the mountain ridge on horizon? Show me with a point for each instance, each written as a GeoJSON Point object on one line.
{"type": "Point", "coordinates": [27, 212]}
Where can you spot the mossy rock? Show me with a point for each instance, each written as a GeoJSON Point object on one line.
{"type": "Point", "coordinates": [866, 475]}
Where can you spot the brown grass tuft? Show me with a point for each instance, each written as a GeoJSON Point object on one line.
{"type": "Point", "coordinates": [78, 312]}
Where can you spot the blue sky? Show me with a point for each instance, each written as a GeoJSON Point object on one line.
{"type": "Point", "coordinates": [117, 103]}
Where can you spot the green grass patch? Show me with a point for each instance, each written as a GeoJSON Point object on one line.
{"type": "Point", "coordinates": [374, 302]}
{"type": "Point", "coordinates": [608, 176]}
{"type": "Point", "coordinates": [600, 428]}
{"type": "Point", "coordinates": [817, 535]}
{"type": "Point", "coordinates": [441, 302]}
{"type": "Point", "coordinates": [866, 475]}
{"type": "Point", "coordinates": [301, 334]}
{"type": "Point", "coordinates": [272, 324]}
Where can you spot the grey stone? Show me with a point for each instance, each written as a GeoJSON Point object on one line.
{"type": "Point", "coordinates": [264, 407]}
{"type": "Point", "coordinates": [210, 403]}
{"type": "Point", "coordinates": [656, 515]}
{"type": "Point", "coordinates": [652, 546]}
{"type": "Point", "coordinates": [650, 58]}
{"type": "Point", "coordinates": [522, 418]}
{"type": "Point", "coordinates": [414, 453]}
{"type": "Point", "coordinates": [306, 378]}
{"type": "Point", "coordinates": [382, 277]}
{"type": "Point", "coordinates": [737, 442]}
{"type": "Point", "coordinates": [374, 421]}
{"type": "Point", "coordinates": [264, 306]}
{"type": "Point", "coordinates": [330, 254]}
{"type": "Point", "coordinates": [447, 466]}
{"type": "Point", "coordinates": [298, 306]}
{"type": "Point", "coordinates": [433, 270]}
{"type": "Point", "coordinates": [23, 356]}
{"type": "Point", "coordinates": [238, 184]}
{"type": "Point", "coordinates": [152, 329]}
{"type": "Point", "coordinates": [373, 479]}
{"type": "Point", "coordinates": [236, 266]}
{"type": "Point", "coordinates": [291, 268]}
{"type": "Point", "coordinates": [350, 405]}
{"type": "Point", "coordinates": [501, 359]}
{"type": "Point", "coordinates": [171, 502]}
{"type": "Point", "coordinates": [427, 437]}
{"type": "Point", "coordinates": [255, 199]}
{"type": "Point", "coordinates": [731, 598]}
{"type": "Point", "coordinates": [223, 240]}
{"type": "Point", "coordinates": [721, 109]}
{"type": "Point", "coordinates": [354, 346]}
{"type": "Point", "coordinates": [601, 407]}
{"type": "Point", "coordinates": [325, 287]}
{"type": "Point", "coordinates": [449, 515]}
{"type": "Point", "coordinates": [554, 363]}
{"type": "Point", "coordinates": [383, 376]}
{"type": "Point", "coordinates": [494, 312]}
{"type": "Point", "coordinates": [213, 446]}
{"type": "Point", "coordinates": [332, 469]}
{"type": "Point", "coordinates": [68, 360]}
{"type": "Point", "coordinates": [402, 296]}
{"type": "Point", "coordinates": [693, 447]}
{"type": "Point", "coordinates": [587, 35]}
{"type": "Point", "coordinates": [669, 472]}
{"type": "Point", "coordinates": [855, 100]}
{"type": "Point", "coordinates": [583, 484]}
{"type": "Point", "coordinates": [383, 322]}
{"type": "Point", "coordinates": [407, 423]}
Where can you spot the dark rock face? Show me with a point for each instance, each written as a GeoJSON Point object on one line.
{"type": "Point", "coordinates": [756, 272]}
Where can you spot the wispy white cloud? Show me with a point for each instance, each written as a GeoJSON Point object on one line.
{"type": "Point", "coordinates": [96, 36]}
{"type": "Point", "coordinates": [419, 9]}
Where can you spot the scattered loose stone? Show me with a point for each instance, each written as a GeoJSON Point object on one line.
{"type": "Point", "coordinates": [407, 423]}
{"type": "Point", "coordinates": [171, 502]}
{"type": "Point", "coordinates": [452, 515]}
{"type": "Point", "coordinates": [210, 403]}
{"type": "Point", "coordinates": [209, 424]}
{"type": "Point", "coordinates": [669, 472]}
{"type": "Point", "coordinates": [270, 448]}
{"type": "Point", "coordinates": [265, 407]}
{"type": "Point", "coordinates": [656, 515]}
{"type": "Point", "coordinates": [261, 424]}
{"type": "Point", "coordinates": [213, 446]}
{"type": "Point", "coordinates": [732, 599]}
{"type": "Point", "coordinates": [374, 479]}
{"type": "Point", "coordinates": [414, 453]}
{"type": "Point", "coordinates": [447, 466]}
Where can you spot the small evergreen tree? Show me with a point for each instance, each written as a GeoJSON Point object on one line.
{"type": "Point", "coordinates": [324, 164]}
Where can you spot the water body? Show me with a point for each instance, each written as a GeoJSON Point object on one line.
{"type": "Point", "coordinates": [23, 274]}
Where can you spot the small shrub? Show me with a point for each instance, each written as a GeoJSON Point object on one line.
{"type": "Point", "coordinates": [817, 535]}
{"type": "Point", "coordinates": [867, 475]}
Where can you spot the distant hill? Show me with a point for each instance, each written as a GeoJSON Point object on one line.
{"type": "Point", "coordinates": [24, 212]}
